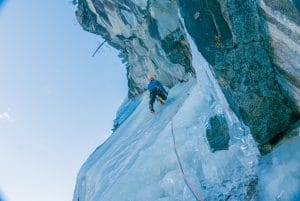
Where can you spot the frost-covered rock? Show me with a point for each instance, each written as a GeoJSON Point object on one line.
{"type": "Point", "coordinates": [283, 22]}
{"type": "Point", "coordinates": [149, 35]}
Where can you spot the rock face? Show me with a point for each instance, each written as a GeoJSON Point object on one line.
{"type": "Point", "coordinates": [253, 47]}
{"type": "Point", "coordinates": [217, 133]}
{"type": "Point", "coordinates": [237, 38]}
{"type": "Point", "coordinates": [148, 34]}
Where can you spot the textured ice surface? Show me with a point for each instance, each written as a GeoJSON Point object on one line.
{"type": "Point", "coordinates": [279, 172]}
{"type": "Point", "coordinates": [138, 163]}
{"type": "Point", "coordinates": [126, 109]}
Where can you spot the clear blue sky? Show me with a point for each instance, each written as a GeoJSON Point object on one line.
{"type": "Point", "coordinates": [57, 103]}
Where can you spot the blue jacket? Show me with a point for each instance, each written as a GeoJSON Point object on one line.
{"type": "Point", "coordinates": [156, 87]}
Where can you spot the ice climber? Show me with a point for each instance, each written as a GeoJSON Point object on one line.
{"type": "Point", "coordinates": [156, 90]}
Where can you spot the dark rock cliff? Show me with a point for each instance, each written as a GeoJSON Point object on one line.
{"type": "Point", "coordinates": [235, 39]}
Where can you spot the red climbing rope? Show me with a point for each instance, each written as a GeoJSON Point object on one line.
{"type": "Point", "coordinates": [187, 182]}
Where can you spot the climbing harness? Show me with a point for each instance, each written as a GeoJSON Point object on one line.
{"type": "Point", "coordinates": [187, 182]}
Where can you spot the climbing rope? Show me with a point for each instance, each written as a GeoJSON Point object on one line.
{"type": "Point", "coordinates": [187, 182]}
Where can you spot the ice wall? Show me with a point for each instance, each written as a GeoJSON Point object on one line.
{"type": "Point", "coordinates": [232, 69]}
{"type": "Point", "coordinates": [279, 172]}
{"type": "Point", "coordinates": [138, 161]}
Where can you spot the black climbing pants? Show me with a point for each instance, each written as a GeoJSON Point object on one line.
{"type": "Point", "coordinates": [153, 98]}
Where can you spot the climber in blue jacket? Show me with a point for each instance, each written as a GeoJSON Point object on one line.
{"type": "Point", "coordinates": [156, 90]}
